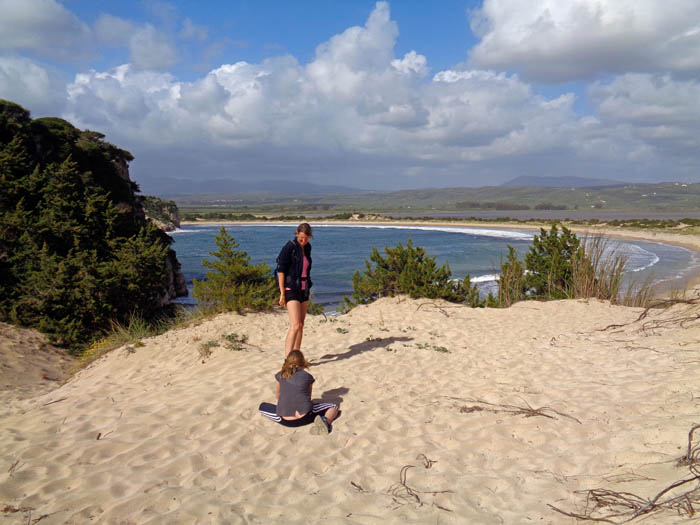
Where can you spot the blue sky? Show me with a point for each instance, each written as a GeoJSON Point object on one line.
{"type": "Point", "coordinates": [375, 95]}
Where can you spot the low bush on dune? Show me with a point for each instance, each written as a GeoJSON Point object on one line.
{"type": "Point", "coordinates": [408, 271]}
{"type": "Point", "coordinates": [558, 265]}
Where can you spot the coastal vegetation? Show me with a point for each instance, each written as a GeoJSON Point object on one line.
{"type": "Point", "coordinates": [558, 265]}
{"type": "Point", "coordinates": [408, 271]}
{"type": "Point", "coordinates": [77, 254]}
{"type": "Point", "coordinates": [233, 284]}
{"type": "Point", "coordinates": [163, 212]}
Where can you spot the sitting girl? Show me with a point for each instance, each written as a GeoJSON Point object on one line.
{"type": "Point", "coordinates": [294, 407]}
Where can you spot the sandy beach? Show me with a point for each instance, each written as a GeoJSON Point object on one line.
{"type": "Point", "coordinates": [449, 415]}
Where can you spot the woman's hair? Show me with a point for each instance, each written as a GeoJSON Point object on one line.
{"type": "Point", "coordinates": [305, 227]}
{"type": "Point", "coordinates": [294, 361]}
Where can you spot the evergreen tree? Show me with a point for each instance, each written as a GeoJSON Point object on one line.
{"type": "Point", "coordinates": [408, 271]}
{"type": "Point", "coordinates": [234, 284]}
{"type": "Point", "coordinates": [76, 252]}
{"type": "Point", "coordinates": [550, 263]}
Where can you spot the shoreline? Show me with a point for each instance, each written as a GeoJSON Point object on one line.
{"type": "Point", "coordinates": [688, 241]}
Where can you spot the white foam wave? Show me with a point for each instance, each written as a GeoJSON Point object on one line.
{"type": "Point", "coordinates": [485, 232]}
{"type": "Point", "coordinates": [501, 234]}
{"type": "Point", "coordinates": [181, 231]}
{"type": "Point", "coordinates": [485, 278]}
{"type": "Point", "coordinates": [639, 252]}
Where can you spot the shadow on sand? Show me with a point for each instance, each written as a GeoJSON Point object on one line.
{"type": "Point", "coordinates": [334, 395]}
{"type": "Point", "coordinates": [359, 348]}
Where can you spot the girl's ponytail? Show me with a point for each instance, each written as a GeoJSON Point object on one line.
{"type": "Point", "coordinates": [293, 362]}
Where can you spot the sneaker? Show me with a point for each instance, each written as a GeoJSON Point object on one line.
{"type": "Point", "coordinates": [321, 426]}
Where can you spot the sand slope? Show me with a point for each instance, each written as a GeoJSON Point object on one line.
{"type": "Point", "coordinates": [181, 441]}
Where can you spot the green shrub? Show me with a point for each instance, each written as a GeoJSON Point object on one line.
{"type": "Point", "coordinates": [314, 308]}
{"type": "Point", "coordinates": [549, 263]}
{"type": "Point", "coordinates": [234, 284]}
{"type": "Point", "coordinates": [511, 281]}
{"type": "Point", "coordinates": [408, 271]}
{"type": "Point", "coordinates": [561, 266]}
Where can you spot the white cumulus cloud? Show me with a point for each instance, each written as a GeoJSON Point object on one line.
{"type": "Point", "coordinates": [662, 112]}
{"type": "Point", "coordinates": [360, 115]}
{"type": "Point", "coordinates": [43, 27]}
{"type": "Point", "coordinates": [149, 48]}
{"type": "Point", "coordinates": [30, 85]}
{"type": "Point", "coordinates": [563, 40]}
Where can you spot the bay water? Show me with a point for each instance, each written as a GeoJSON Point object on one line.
{"type": "Point", "coordinates": [338, 251]}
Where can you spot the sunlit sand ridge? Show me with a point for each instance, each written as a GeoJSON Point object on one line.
{"type": "Point", "coordinates": [436, 423]}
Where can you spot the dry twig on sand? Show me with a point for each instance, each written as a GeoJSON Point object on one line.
{"type": "Point", "coordinates": [513, 410]}
{"type": "Point", "coordinates": [608, 506]}
{"type": "Point", "coordinates": [681, 319]}
{"type": "Point", "coordinates": [437, 307]}
{"type": "Point", "coordinates": [402, 492]}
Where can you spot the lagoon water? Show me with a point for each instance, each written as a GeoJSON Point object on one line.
{"type": "Point", "coordinates": [340, 250]}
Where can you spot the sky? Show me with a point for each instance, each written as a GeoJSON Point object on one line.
{"type": "Point", "coordinates": [371, 95]}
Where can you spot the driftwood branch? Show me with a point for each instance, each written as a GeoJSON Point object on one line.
{"type": "Point", "coordinates": [681, 319]}
{"type": "Point", "coordinates": [514, 410]}
{"type": "Point", "coordinates": [402, 492]}
{"type": "Point", "coordinates": [439, 308]}
{"type": "Point", "coordinates": [608, 506]}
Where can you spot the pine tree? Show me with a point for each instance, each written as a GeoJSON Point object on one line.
{"type": "Point", "coordinates": [76, 253]}
{"type": "Point", "coordinates": [550, 263]}
{"type": "Point", "coordinates": [408, 271]}
{"type": "Point", "coordinates": [234, 284]}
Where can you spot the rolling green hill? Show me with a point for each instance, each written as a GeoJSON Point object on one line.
{"type": "Point", "coordinates": [664, 197]}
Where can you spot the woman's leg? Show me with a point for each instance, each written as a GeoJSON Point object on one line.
{"type": "Point", "coordinates": [300, 332]}
{"type": "Point", "coordinates": [296, 325]}
{"type": "Point", "coordinates": [331, 414]}
{"type": "Point", "coordinates": [329, 410]}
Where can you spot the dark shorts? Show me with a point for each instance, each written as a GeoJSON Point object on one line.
{"type": "Point", "coordinates": [302, 296]}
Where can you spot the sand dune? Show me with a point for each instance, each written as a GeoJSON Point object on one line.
{"type": "Point", "coordinates": [157, 434]}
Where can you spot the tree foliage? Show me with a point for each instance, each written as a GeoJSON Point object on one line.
{"type": "Point", "coordinates": [559, 265]}
{"type": "Point", "coordinates": [511, 281]}
{"type": "Point", "coordinates": [408, 271]}
{"type": "Point", "coordinates": [233, 284]}
{"type": "Point", "coordinates": [550, 263]}
{"type": "Point", "coordinates": [76, 253]}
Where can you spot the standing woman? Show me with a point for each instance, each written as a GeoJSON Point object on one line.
{"type": "Point", "coordinates": [294, 278]}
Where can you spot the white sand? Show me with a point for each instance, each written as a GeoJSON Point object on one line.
{"type": "Point", "coordinates": [181, 441]}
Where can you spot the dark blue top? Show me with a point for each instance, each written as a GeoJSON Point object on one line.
{"type": "Point", "coordinates": [290, 262]}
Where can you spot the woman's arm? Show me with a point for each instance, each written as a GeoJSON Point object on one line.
{"type": "Point", "coordinates": [280, 281]}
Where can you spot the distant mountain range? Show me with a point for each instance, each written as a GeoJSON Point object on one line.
{"type": "Point", "coordinates": [563, 182]}
{"type": "Point", "coordinates": [172, 187]}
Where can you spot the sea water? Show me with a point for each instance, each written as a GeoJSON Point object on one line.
{"type": "Point", "coordinates": [339, 251]}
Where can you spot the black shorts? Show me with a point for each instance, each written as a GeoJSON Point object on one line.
{"type": "Point", "coordinates": [302, 295]}
{"type": "Point", "coordinates": [270, 411]}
